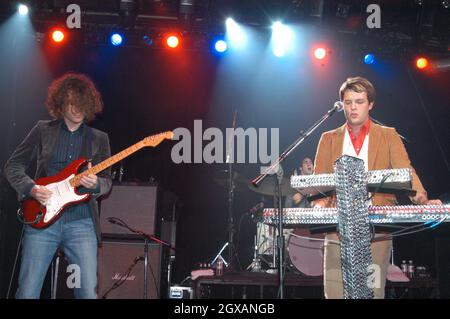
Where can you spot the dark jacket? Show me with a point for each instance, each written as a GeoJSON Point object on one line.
{"type": "Point", "coordinates": [40, 144]}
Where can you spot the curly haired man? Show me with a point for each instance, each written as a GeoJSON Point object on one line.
{"type": "Point", "coordinates": [72, 101]}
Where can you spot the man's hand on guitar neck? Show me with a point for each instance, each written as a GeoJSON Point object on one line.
{"type": "Point", "coordinates": [89, 181]}
{"type": "Point", "coordinates": [41, 194]}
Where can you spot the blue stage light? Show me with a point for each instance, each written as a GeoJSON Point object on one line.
{"type": "Point", "coordinates": [220, 46]}
{"type": "Point", "coordinates": [116, 39]}
{"type": "Point", "coordinates": [369, 58]}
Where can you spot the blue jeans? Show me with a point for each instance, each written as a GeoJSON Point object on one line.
{"type": "Point", "coordinates": [79, 243]}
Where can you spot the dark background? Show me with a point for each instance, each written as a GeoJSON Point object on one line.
{"type": "Point", "coordinates": [147, 90]}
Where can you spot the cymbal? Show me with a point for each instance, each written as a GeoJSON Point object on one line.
{"type": "Point", "coordinates": [268, 187]}
{"type": "Point", "coordinates": [241, 183]}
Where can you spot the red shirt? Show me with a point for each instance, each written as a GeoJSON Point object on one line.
{"type": "Point", "coordinates": [359, 141]}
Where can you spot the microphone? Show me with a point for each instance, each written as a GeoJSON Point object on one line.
{"type": "Point", "coordinates": [337, 107]}
{"type": "Point", "coordinates": [257, 208]}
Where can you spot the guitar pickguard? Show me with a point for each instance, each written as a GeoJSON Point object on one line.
{"type": "Point", "coordinates": [63, 194]}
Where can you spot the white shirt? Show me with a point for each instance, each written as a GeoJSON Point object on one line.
{"type": "Point", "coordinates": [348, 149]}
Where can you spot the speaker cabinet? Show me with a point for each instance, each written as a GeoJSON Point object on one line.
{"type": "Point", "coordinates": [121, 265]}
{"type": "Point", "coordinates": [135, 204]}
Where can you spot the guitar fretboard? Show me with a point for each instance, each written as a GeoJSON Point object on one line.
{"type": "Point", "coordinates": [75, 181]}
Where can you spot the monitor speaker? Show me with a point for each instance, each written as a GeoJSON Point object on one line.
{"type": "Point", "coordinates": [121, 270]}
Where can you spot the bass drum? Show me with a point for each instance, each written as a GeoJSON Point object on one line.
{"type": "Point", "coordinates": [306, 255]}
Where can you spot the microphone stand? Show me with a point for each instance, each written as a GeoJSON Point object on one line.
{"type": "Point", "coordinates": [276, 169]}
{"type": "Point", "coordinates": [145, 266]}
{"type": "Point", "coordinates": [148, 237]}
{"type": "Point", "coordinates": [229, 160]}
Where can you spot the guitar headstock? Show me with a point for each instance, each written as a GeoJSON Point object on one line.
{"type": "Point", "coordinates": [156, 139]}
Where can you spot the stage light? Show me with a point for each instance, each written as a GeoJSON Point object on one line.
{"type": "Point", "coordinates": [172, 41]}
{"type": "Point", "coordinates": [220, 46]}
{"type": "Point", "coordinates": [116, 39]}
{"type": "Point", "coordinates": [421, 63]}
{"type": "Point", "coordinates": [281, 39]}
{"type": "Point", "coordinates": [58, 36]}
{"type": "Point", "coordinates": [147, 40]}
{"type": "Point", "coordinates": [235, 34]}
{"type": "Point", "coordinates": [320, 53]}
{"type": "Point", "coordinates": [369, 58]}
{"type": "Point", "coordinates": [23, 9]}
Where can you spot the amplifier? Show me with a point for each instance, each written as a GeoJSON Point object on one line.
{"type": "Point", "coordinates": [121, 270]}
{"type": "Point", "coordinates": [135, 204]}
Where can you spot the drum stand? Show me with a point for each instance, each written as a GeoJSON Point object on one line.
{"type": "Point", "coordinates": [273, 266]}
{"type": "Point", "coordinates": [255, 266]}
{"type": "Point", "coordinates": [275, 252]}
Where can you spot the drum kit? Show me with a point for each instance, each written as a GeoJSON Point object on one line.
{"type": "Point", "coordinates": [304, 251]}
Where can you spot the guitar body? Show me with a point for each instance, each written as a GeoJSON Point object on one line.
{"type": "Point", "coordinates": [64, 195]}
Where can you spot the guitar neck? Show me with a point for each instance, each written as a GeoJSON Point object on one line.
{"type": "Point", "coordinates": [75, 181]}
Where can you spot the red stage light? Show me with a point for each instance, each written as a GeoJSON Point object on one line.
{"type": "Point", "coordinates": [320, 53]}
{"type": "Point", "coordinates": [58, 36]}
{"type": "Point", "coordinates": [421, 63]}
{"type": "Point", "coordinates": [172, 41]}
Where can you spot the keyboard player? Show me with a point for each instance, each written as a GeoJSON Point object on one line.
{"type": "Point", "coordinates": [381, 148]}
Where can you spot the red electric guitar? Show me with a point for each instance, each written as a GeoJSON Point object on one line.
{"type": "Point", "coordinates": [64, 185]}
